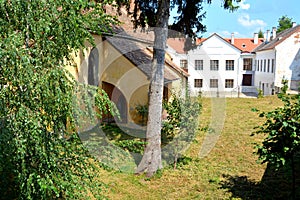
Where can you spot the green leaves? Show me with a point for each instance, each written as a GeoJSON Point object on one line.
{"type": "Point", "coordinates": [282, 130]}
{"type": "Point", "coordinates": [41, 156]}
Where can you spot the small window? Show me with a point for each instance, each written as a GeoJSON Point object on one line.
{"type": "Point", "coordinates": [213, 83]}
{"type": "Point", "coordinates": [257, 69]}
{"type": "Point", "coordinates": [229, 83]}
{"type": "Point", "coordinates": [261, 65]}
{"type": "Point", "coordinates": [268, 65]}
{"type": "Point", "coordinates": [183, 64]}
{"type": "Point", "coordinates": [198, 64]}
{"type": "Point", "coordinates": [214, 65]}
{"type": "Point", "coordinates": [265, 65]}
{"type": "Point", "coordinates": [229, 65]}
{"type": "Point", "coordinates": [247, 64]}
{"type": "Point", "coordinates": [273, 65]}
{"type": "Point", "coordinates": [198, 83]}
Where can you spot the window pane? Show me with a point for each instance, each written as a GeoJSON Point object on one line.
{"type": "Point", "coordinates": [198, 64]}
{"type": "Point", "coordinates": [198, 83]}
{"type": "Point", "coordinates": [214, 65]}
{"type": "Point", "coordinates": [228, 83]}
{"type": "Point", "coordinates": [213, 83]}
{"type": "Point", "coordinates": [230, 65]}
{"type": "Point", "coordinates": [247, 63]}
{"type": "Point", "coordinates": [183, 64]}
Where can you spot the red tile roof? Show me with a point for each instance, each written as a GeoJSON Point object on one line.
{"type": "Point", "coordinates": [245, 44]}
{"type": "Point", "coordinates": [177, 44]}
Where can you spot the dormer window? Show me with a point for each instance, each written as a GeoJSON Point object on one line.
{"type": "Point", "coordinates": [243, 45]}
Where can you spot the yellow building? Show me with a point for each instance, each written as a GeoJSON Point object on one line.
{"type": "Point", "coordinates": [121, 65]}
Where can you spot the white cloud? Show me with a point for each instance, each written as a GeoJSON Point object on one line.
{"type": "Point", "coordinates": [227, 34]}
{"type": "Point", "coordinates": [243, 5]}
{"type": "Point", "coordinates": [245, 20]}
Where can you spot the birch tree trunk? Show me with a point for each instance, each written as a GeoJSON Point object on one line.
{"type": "Point", "coordinates": [151, 160]}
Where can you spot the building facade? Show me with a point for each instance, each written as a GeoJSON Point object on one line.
{"type": "Point", "coordinates": [232, 67]}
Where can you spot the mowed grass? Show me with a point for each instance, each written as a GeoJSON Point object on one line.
{"type": "Point", "coordinates": [209, 177]}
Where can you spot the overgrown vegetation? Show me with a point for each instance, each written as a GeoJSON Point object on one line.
{"type": "Point", "coordinates": [282, 134]}
{"type": "Point", "coordinates": [41, 156]}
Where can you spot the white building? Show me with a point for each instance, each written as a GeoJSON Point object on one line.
{"type": "Point", "coordinates": [232, 66]}
{"type": "Point", "coordinates": [217, 66]}
{"type": "Point", "coordinates": [278, 58]}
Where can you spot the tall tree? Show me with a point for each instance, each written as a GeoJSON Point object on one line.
{"type": "Point", "coordinates": [260, 34]}
{"type": "Point", "coordinates": [41, 156]}
{"type": "Point", "coordinates": [155, 13]}
{"type": "Point", "coordinates": [284, 23]}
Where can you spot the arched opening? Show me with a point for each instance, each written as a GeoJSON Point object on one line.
{"type": "Point", "coordinates": [93, 65]}
{"type": "Point", "coordinates": [119, 99]}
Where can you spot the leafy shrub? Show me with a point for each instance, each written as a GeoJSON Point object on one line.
{"type": "Point", "coordinates": [134, 146]}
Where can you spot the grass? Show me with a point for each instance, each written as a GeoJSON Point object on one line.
{"type": "Point", "coordinates": [229, 171]}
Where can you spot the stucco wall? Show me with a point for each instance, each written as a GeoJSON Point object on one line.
{"type": "Point", "coordinates": [213, 48]}
{"type": "Point", "coordinates": [288, 60]}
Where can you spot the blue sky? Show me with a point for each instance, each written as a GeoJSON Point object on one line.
{"type": "Point", "coordinates": [252, 16]}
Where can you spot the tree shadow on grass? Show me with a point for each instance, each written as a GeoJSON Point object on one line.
{"type": "Point", "coordinates": [274, 185]}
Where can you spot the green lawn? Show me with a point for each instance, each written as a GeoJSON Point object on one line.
{"type": "Point", "coordinates": [229, 171]}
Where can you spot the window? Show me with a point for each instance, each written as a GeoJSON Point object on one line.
{"type": "Point", "coordinates": [268, 65]}
{"type": "Point", "coordinates": [261, 65]}
{"type": "Point", "coordinates": [273, 65]}
{"type": "Point", "coordinates": [265, 65]}
{"type": "Point", "coordinates": [183, 64]}
{"type": "Point", "coordinates": [213, 83]}
{"type": "Point", "coordinates": [247, 64]}
{"type": "Point", "coordinates": [257, 69]}
{"type": "Point", "coordinates": [228, 83]}
{"type": "Point", "coordinates": [229, 65]}
{"type": "Point", "coordinates": [214, 65]}
{"type": "Point", "coordinates": [198, 83]}
{"type": "Point", "coordinates": [198, 64]}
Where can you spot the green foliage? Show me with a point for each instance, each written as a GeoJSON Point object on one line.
{"type": "Point", "coordinates": [182, 116]}
{"type": "Point", "coordinates": [282, 130]}
{"type": "Point", "coordinates": [134, 146]}
{"type": "Point", "coordinates": [187, 22]}
{"type": "Point", "coordinates": [179, 129]}
{"type": "Point", "coordinates": [260, 94]}
{"type": "Point", "coordinates": [260, 34]}
{"type": "Point", "coordinates": [41, 156]}
{"type": "Point", "coordinates": [284, 23]}
{"type": "Point", "coordinates": [142, 110]}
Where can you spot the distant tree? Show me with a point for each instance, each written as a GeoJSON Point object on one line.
{"type": "Point", "coordinates": [155, 13]}
{"type": "Point", "coordinates": [260, 34]}
{"type": "Point", "coordinates": [41, 156]}
{"type": "Point", "coordinates": [284, 23]}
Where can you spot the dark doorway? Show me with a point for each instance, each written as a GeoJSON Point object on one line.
{"type": "Point", "coordinates": [247, 80]}
{"type": "Point", "coordinates": [119, 99]}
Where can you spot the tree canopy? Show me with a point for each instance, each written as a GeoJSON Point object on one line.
{"type": "Point", "coordinates": [284, 23]}
{"type": "Point", "coordinates": [41, 156]}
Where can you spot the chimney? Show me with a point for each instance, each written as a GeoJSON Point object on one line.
{"type": "Point", "coordinates": [268, 36]}
{"type": "Point", "coordinates": [294, 24]}
{"type": "Point", "coordinates": [273, 33]}
{"type": "Point", "coordinates": [255, 38]}
{"type": "Point", "coordinates": [232, 38]}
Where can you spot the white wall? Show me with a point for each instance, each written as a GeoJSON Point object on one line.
{"type": "Point", "coordinates": [263, 79]}
{"type": "Point", "coordinates": [214, 48]}
{"type": "Point", "coordinates": [288, 61]}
